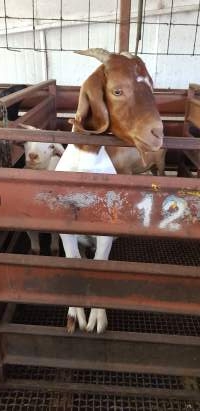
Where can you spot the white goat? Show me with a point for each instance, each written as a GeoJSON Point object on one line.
{"type": "Point", "coordinates": [75, 159]}
{"type": "Point", "coordinates": [42, 156]}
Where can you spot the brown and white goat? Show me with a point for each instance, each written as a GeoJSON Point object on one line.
{"type": "Point", "coordinates": [116, 98]}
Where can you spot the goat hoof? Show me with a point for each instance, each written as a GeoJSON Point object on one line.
{"type": "Point", "coordinates": [102, 326]}
{"type": "Point", "coordinates": [71, 324]}
{"type": "Point", "coordinates": [97, 318]}
{"type": "Point", "coordinates": [75, 314]}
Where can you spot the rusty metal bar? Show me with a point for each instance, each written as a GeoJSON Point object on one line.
{"type": "Point", "coordinates": [19, 95]}
{"type": "Point", "coordinates": [60, 331]}
{"type": "Point", "coordinates": [193, 112]}
{"type": "Point", "coordinates": [99, 204]}
{"type": "Point", "coordinates": [124, 28]}
{"type": "Point", "coordinates": [39, 116]}
{"type": "Point", "coordinates": [66, 137]}
{"type": "Point", "coordinates": [53, 93]}
{"type": "Point", "coordinates": [111, 284]}
{"type": "Point", "coordinates": [101, 354]}
{"type": "Point", "coordinates": [168, 100]}
{"type": "Point", "coordinates": [139, 25]}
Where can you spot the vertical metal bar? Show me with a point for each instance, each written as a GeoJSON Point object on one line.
{"type": "Point", "coordinates": [116, 22]}
{"type": "Point", "coordinates": [143, 28]}
{"type": "Point", "coordinates": [89, 13]}
{"type": "Point", "coordinates": [139, 26]}
{"type": "Point", "coordinates": [44, 58]}
{"type": "Point", "coordinates": [196, 30]}
{"type": "Point", "coordinates": [170, 25]}
{"type": "Point", "coordinates": [52, 119]}
{"type": "Point", "coordinates": [125, 13]}
{"type": "Point", "coordinates": [6, 26]}
{"type": "Point", "coordinates": [33, 19]}
{"type": "Point", "coordinates": [61, 27]}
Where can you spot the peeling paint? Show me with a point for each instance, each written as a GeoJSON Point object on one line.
{"type": "Point", "coordinates": [83, 200]}
{"type": "Point", "coordinates": [175, 211]}
{"type": "Point", "coordinates": [47, 198]}
{"type": "Point", "coordinates": [79, 200]}
{"type": "Point", "coordinates": [113, 199]}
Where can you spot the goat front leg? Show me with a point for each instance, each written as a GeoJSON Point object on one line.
{"type": "Point", "coordinates": [75, 314]}
{"type": "Point", "coordinates": [98, 316]}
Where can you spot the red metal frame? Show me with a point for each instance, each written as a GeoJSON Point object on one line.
{"type": "Point", "coordinates": [50, 201]}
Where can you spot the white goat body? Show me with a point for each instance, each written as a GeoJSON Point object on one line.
{"type": "Point", "coordinates": [78, 160]}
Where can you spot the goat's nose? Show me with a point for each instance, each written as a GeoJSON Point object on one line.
{"type": "Point", "coordinates": [33, 156]}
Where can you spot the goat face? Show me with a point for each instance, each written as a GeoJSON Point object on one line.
{"type": "Point", "coordinates": [118, 97]}
{"type": "Point", "coordinates": [38, 155]}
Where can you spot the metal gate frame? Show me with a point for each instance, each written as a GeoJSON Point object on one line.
{"type": "Point", "coordinates": [49, 202]}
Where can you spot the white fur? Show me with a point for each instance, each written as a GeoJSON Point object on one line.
{"type": "Point", "coordinates": [74, 159]}
{"type": "Point", "coordinates": [78, 160]}
{"type": "Point", "coordinates": [145, 80]}
{"type": "Point", "coordinates": [44, 153]}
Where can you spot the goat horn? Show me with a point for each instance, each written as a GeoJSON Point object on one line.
{"type": "Point", "coordinates": [127, 54]}
{"type": "Point", "coordinates": [100, 54]}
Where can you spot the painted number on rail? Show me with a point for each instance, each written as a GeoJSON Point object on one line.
{"type": "Point", "coordinates": [173, 209]}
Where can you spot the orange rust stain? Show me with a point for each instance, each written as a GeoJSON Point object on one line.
{"type": "Point", "coordinates": [114, 214]}
{"type": "Point", "coordinates": [173, 206]}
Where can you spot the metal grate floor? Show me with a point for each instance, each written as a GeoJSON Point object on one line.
{"type": "Point", "coordinates": [157, 250]}
{"type": "Point", "coordinates": [17, 400]}
{"type": "Point", "coordinates": [83, 402]}
{"type": "Point", "coordinates": [54, 401]}
{"type": "Point", "coordinates": [118, 320]}
{"type": "Point", "coordinates": [96, 377]}
{"type": "Point", "coordinates": [135, 248]}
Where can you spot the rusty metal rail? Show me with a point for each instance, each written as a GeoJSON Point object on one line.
{"type": "Point", "coordinates": [169, 101]}
{"type": "Point", "coordinates": [19, 95]}
{"type": "Point", "coordinates": [61, 281]}
{"type": "Point", "coordinates": [99, 204]}
{"type": "Point", "coordinates": [67, 137]}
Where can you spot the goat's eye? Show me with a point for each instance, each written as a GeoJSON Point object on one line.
{"type": "Point", "coordinates": [52, 146]}
{"type": "Point", "coordinates": [117, 92]}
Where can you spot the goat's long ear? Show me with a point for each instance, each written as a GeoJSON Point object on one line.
{"type": "Point", "coordinates": [92, 114]}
